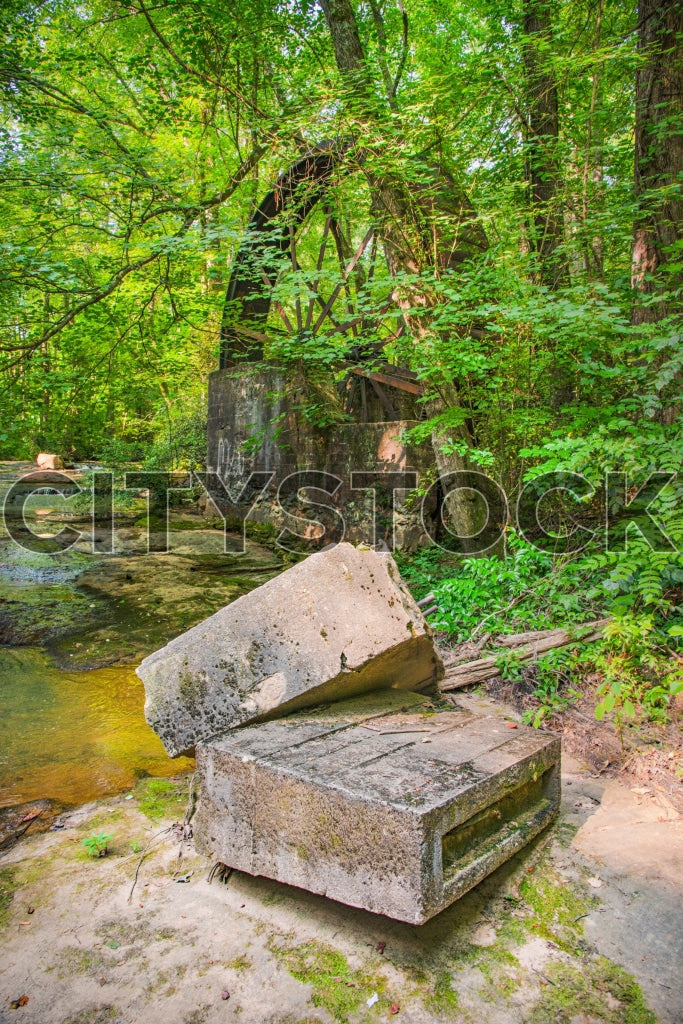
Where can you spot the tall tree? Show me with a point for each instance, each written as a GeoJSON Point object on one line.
{"type": "Point", "coordinates": [658, 227]}
{"type": "Point", "coordinates": [543, 172]}
{"type": "Point", "coordinates": [426, 222]}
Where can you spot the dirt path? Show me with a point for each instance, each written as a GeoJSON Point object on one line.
{"type": "Point", "coordinates": [547, 939]}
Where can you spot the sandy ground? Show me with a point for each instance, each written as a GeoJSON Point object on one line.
{"type": "Point", "coordinates": [527, 946]}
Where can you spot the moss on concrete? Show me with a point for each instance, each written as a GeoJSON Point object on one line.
{"type": "Point", "coordinates": [443, 998]}
{"type": "Point", "coordinates": [497, 965]}
{"type": "Point", "coordinates": [558, 908]}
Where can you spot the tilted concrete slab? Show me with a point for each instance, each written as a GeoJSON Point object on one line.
{"type": "Point", "coordinates": [339, 623]}
{"type": "Point", "coordinates": [380, 803]}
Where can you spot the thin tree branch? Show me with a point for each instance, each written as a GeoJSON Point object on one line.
{"type": "Point", "coordinates": [404, 53]}
{"type": "Point", "coordinates": [193, 71]}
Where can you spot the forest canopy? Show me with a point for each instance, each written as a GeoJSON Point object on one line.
{"type": "Point", "coordinates": [522, 161]}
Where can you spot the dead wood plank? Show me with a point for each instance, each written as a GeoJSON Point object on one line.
{"type": "Point", "coordinates": [480, 669]}
{"type": "Point", "coordinates": [533, 636]}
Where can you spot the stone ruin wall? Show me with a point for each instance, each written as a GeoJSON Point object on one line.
{"type": "Point", "coordinates": [253, 426]}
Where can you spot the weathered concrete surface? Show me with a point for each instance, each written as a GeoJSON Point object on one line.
{"type": "Point", "coordinates": [255, 424]}
{"type": "Point", "coordinates": [380, 803]}
{"type": "Point", "coordinates": [338, 624]}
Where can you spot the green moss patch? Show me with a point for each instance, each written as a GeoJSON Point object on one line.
{"type": "Point", "coordinates": [443, 998]}
{"type": "Point", "coordinates": [161, 798]}
{"type": "Point", "coordinates": [498, 966]}
{"type": "Point", "coordinates": [7, 889]}
{"type": "Point", "coordinates": [93, 1015]}
{"type": "Point", "coordinates": [598, 987]}
{"type": "Point", "coordinates": [337, 988]}
{"type": "Point", "coordinates": [558, 908]}
{"type": "Point", "coordinates": [79, 960]}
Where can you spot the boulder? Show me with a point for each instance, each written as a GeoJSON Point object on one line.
{"type": "Point", "coordinates": [47, 461]}
{"type": "Point", "coordinates": [339, 623]}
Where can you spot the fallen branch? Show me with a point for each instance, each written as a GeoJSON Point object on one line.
{"type": "Point", "coordinates": [144, 853]}
{"type": "Point", "coordinates": [526, 647]}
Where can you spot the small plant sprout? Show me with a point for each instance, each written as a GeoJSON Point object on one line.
{"type": "Point", "coordinates": [96, 846]}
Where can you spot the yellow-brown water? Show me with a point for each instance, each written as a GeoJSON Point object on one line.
{"type": "Point", "coordinates": [73, 736]}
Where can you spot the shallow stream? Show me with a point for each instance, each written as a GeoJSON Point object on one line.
{"type": "Point", "coordinates": [74, 625]}
{"type": "Point", "coordinates": [73, 736]}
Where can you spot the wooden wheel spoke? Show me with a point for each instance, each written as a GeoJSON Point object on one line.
{"type": "Point", "coordinates": [384, 399]}
{"type": "Point", "coordinates": [340, 328]}
{"type": "Point", "coordinates": [278, 305]}
{"type": "Point", "coordinates": [342, 256]}
{"type": "Point", "coordinates": [373, 258]}
{"type": "Point", "coordinates": [345, 276]}
{"type": "Point", "coordinates": [348, 325]}
{"type": "Point", "coordinates": [249, 333]}
{"type": "Point", "coordinates": [318, 268]}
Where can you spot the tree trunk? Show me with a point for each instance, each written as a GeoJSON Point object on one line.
{"type": "Point", "coordinates": [427, 223]}
{"type": "Point", "coordinates": [410, 217]}
{"type": "Point", "coordinates": [544, 130]}
{"type": "Point", "coordinates": [658, 225]}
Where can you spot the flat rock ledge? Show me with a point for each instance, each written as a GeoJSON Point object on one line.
{"type": "Point", "coordinates": [338, 624]}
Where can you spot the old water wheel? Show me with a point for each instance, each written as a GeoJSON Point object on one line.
{"type": "Point", "coordinates": [310, 278]}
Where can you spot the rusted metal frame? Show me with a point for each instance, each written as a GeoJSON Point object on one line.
{"type": "Point", "coordinates": [386, 404]}
{"type": "Point", "coordinates": [414, 387]}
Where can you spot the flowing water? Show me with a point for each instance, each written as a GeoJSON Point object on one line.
{"type": "Point", "coordinates": [73, 625]}
{"type": "Point", "coordinates": [73, 736]}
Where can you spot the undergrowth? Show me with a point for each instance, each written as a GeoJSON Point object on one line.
{"type": "Point", "coordinates": [638, 662]}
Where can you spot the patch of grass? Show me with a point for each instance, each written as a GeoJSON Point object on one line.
{"type": "Point", "coordinates": [240, 963]}
{"type": "Point", "coordinates": [93, 1015]}
{"type": "Point", "coordinates": [161, 798]}
{"type": "Point", "coordinates": [600, 988]}
{"type": "Point", "coordinates": [337, 988]}
{"type": "Point", "coordinates": [8, 887]}
{"type": "Point", "coordinates": [102, 821]}
{"type": "Point", "coordinates": [199, 1016]}
{"type": "Point", "coordinates": [443, 998]}
{"type": "Point", "coordinates": [78, 960]}
{"type": "Point", "coordinates": [126, 933]}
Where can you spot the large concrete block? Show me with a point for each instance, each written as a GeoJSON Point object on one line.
{"type": "Point", "coordinates": [380, 803]}
{"type": "Point", "coordinates": [337, 624]}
